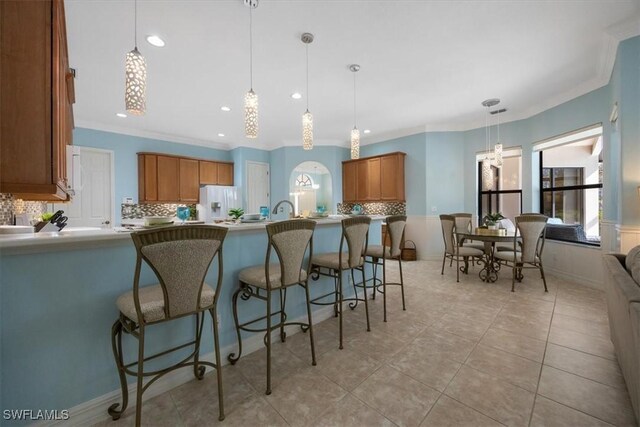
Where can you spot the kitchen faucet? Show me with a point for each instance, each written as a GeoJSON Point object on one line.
{"type": "Point", "coordinates": [275, 209]}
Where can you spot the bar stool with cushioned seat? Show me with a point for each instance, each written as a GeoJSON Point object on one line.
{"type": "Point", "coordinates": [290, 241]}
{"type": "Point", "coordinates": [395, 225]}
{"type": "Point", "coordinates": [180, 257]}
{"type": "Point", "coordinates": [454, 251]}
{"type": "Point", "coordinates": [355, 231]}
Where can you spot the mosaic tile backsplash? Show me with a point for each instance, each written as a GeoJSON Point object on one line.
{"type": "Point", "coordinates": [153, 209]}
{"type": "Point", "coordinates": [9, 206]}
{"type": "Point", "coordinates": [381, 208]}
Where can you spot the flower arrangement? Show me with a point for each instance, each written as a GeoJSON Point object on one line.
{"type": "Point", "coordinates": [492, 218]}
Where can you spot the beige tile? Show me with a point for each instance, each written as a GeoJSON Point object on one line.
{"type": "Point", "coordinates": [582, 312]}
{"type": "Point", "coordinates": [398, 397]}
{"type": "Point", "coordinates": [197, 401]}
{"type": "Point", "coordinates": [351, 412]}
{"type": "Point", "coordinates": [547, 413]}
{"type": "Point", "coordinates": [301, 398]}
{"type": "Point", "coordinates": [283, 364]}
{"type": "Point", "coordinates": [595, 368]}
{"type": "Point", "coordinates": [431, 368]}
{"type": "Point", "coordinates": [252, 412]}
{"type": "Point", "coordinates": [585, 343]}
{"type": "Point", "coordinates": [528, 304]}
{"type": "Point", "coordinates": [520, 345]}
{"type": "Point", "coordinates": [506, 366]}
{"type": "Point", "coordinates": [450, 413]}
{"type": "Point", "coordinates": [462, 327]}
{"type": "Point", "coordinates": [375, 344]}
{"type": "Point", "coordinates": [491, 396]}
{"type": "Point", "coordinates": [325, 339]}
{"type": "Point", "coordinates": [597, 329]}
{"type": "Point", "coordinates": [346, 367]}
{"type": "Point", "coordinates": [601, 401]}
{"type": "Point", "coordinates": [520, 325]}
{"type": "Point", "coordinates": [440, 343]}
{"type": "Point", "coordinates": [159, 411]}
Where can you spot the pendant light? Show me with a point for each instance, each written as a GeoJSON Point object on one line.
{"type": "Point", "coordinates": [307, 117]}
{"type": "Point", "coordinates": [355, 133]}
{"type": "Point", "coordinates": [497, 149]}
{"type": "Point", "coordinates": [135, 74]}
{"type": "Point", "coordinates": [251, 99]}
{"type": "Point", "coordinates": [487, 172]}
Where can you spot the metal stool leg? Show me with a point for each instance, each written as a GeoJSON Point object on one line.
{"type": "Point", "coordinates": [384, 285]}
{"type": "Point", "coordinates": [140, 375]}
{"type": "Point", "coordinates": [116, 342]}
{"type": "Point", "coordinates": [366, 304]}
{"type": "Point", "coordinates": [268, 343]}
{"type": "Point", "coordinates": [404, 307]}
{"type": "Point", "coordinates": [216, 344]}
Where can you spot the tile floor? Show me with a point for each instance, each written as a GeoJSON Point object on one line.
{"type": "Point", "coordinates": [466, 353]}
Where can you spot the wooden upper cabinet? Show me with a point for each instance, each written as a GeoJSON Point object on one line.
{"type": "Point", "coordinates": [208, 173]}
{"type": "Point", "coordinates": [349, 179]}
{"type": "Point", "coordinates": [225, 173]}
{"type": "Point", "coordinates": [164, 178]}
{"type": "Point", "coordinates": [374, 179]}
{"type": "Point", "coordinates": [36, 97]}
{"type": "Point", "coordinates": [168, 179]}
{"type": "Point", "coordinates": [189, 180]}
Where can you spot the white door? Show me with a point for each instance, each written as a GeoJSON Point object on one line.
{"type": "Point", "coordinates": [257, 186]}
{"type": "Point", "coordinates": [93, 203]}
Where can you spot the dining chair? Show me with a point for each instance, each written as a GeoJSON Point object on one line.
{"type": "Point", "coordinates": [355, 233]}
{"type": "Point", "coordinates": [180, 257]}
{"type": "Point", "coordinates": [464, 223]}
{"type": "Point", "coordinates": [452, 250]}
{"type": "Point", "coordinates": [528, 252]}
{"type": "Point", "coordinates": [379, 254]}
{"type": "Point", "coordinates": [291, 241]}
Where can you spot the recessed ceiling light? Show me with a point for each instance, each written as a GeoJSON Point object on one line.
{"type": "Point", "coordinates": [367, 131]}
{"type": "Point", "coordinates": [155, 41]}
{"type": "Point", "coordinates": [296, 95]}
{"type": "Point", "coordinates": [121, 115]}
{"type": "Point", "coordinates": [221, 135]}
{"type": "Point", "coordinates": [225, 108]}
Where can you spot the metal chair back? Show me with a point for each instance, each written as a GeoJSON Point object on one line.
{"type": "Point", "coordinates": [355, 231]}
{"type": "Point", "coordinates": [448, 223]}
{"type": "Point", "coordinates": [531, 230]}
{"type": "Point", "coordinates": [395, 228]}
{"type": "Point", "coordinates": [290, 240]}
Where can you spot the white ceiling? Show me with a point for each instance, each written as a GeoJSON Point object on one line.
{"type": "Point", "coordinates": [426, 65]}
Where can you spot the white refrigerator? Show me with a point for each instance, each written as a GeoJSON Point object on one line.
{"type": "Point", "coordinates": [215, 202]}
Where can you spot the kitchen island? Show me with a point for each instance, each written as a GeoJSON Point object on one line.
{"type": "Point", "coordinates": [57, 305]}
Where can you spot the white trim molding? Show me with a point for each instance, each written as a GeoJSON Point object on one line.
{"type": "Point", "coordinates": [629, 237]}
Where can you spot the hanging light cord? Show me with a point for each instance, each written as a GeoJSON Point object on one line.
{"type": "Point", "coordinates": [307, 49]}
{"type": "Point", "coordinates": [498, 140]}
{"type": "Point", "coordinates": [251, 46]}
{"type": "Point", "coordinates": [135, 23]}
{"type": "Point", "coordinates": [487, 133]}
{"type": "Point", "coordinates": [354, 102]}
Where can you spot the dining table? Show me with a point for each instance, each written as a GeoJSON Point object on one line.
{"type": "Point", "coordinates": [489, 271]}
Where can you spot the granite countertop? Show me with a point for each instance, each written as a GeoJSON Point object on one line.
{"type": "Point", "coordinates": [84, 235]}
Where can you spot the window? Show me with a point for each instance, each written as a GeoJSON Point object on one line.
{"type": "Point", "coordinates": [505, 193]}
{"type": "Point", "coordinates": [571, 187]}
{"type": "Point", "coordinates": [304, 180]}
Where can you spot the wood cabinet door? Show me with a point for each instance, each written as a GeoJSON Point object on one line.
{"type": "Point", "coordinates": [168, 179]}
{"type": "Point", "coordinates": [208, 173]}
{"type": "Point", "coordinates": [362, 181]}
{"type": "Point", "coordinates": [189, 180]}
{"type": "Point", "coordinates": [147, 178]}
{"type": "Point", "coordinates": [389, 178]}
{"type": "Point", "coordinates": [225, 173]}
{"type": "Point", "coordinates": [373, 177]}
{"type": "Point", "coordinates": [349, 178]}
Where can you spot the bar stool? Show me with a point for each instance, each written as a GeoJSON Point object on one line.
{"type": "Point", "coordinates": [180, 257]}
{"type": "Point", "coordinates": [396, 225]}
{"type": "Point", "coordinates": [290, 241]}
{"type": "Point", "coordinates": [355, 231]}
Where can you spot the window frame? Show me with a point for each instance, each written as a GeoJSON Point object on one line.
{"type": "Point", "coordinates": [553, 189]}
{"type": "Point", "coordinates": [490, 193]}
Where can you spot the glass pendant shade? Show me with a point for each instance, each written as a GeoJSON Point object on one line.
{"type": "Point", "coordinates": [487, 174]}
{"type": "Point", "coordinates": [355, 143]}
{"type": "Point", "coordinates": [497, 155]}
{"type": "Point", "coordinates": [307, 131]}
{"type": "Point", "coordinates": [251, 114]}
{"type": "Point", "coordinates": [136, 83]}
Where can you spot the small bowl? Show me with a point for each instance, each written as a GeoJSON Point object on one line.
{"type": "Point", "coordinates": [251, 217]}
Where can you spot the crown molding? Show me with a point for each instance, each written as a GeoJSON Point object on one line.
{"type": "Point", "coordinates": [151, 135]}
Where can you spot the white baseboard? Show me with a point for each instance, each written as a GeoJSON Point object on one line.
{"type": "Point", "coordinates": [95, 410]}
{"type": "Point", "coordinates": [580, 280]}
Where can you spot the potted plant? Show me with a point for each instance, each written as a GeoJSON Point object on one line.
{"type": "Point", "coordinates": [491, 220]}
{"type": "Point", "coordinates": [236, 213]}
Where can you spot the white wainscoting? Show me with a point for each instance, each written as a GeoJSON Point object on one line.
{"type": "Point", "coordinates": [579, 263]}
{"type": "Point", "coordinates": [609, 235]}
{"type": "Point", "coordinates": [426, 232]}
{"type": "Point", "coordinates": [629, 237]}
